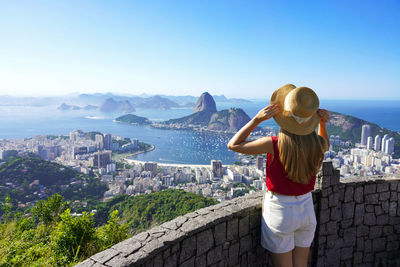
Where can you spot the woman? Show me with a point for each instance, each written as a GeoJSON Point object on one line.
{"type": "Point", "coordinates": [293, 159]}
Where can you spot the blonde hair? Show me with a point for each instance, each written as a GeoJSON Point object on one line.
{"type": "Point", "coordinates": [301, 155]}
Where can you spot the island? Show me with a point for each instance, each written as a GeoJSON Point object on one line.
{"type": "Point", "coordinates": [133, 119]}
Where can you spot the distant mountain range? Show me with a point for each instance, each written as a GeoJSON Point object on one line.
{"type": "Point", "coordinates": [205, 115]}
{"type": "Point", "coordinates": [110, 105]}
{"type": "Point", "coordinates": [88, 101]}
{"type": "Point", "coordinates": [217, 98]}
{"type": "Point", "coordinates": [124, 105]}
{"type": "Point", "coordinates": [162, 102]}
{"type": "Point", "coordinates": [65, 106]}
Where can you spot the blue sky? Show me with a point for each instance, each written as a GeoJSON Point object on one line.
{"type": "Point", "coordinates": [341, 49]}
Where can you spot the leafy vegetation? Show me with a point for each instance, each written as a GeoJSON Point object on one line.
{"type": "Point", "coordinates": [141, 147]}
{"type": "Point", "coordinates": [52, 236]}
{"type": "Point", "coordinates": [26, 180]}
{"type": "Point", "coordinates": [11, 155]}
{"type": "Point", "coordinates": [144, 211]}
{"type": "Point", "coordinates": [22, 170]}
{"type": "Point", "coordinates": [49, 235]}
{"type": "Point", "coordinates": [241, 193]}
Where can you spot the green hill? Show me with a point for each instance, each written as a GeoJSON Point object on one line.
{"type": "Point", "coordinates": [27, 180]}
{"type": "Point", "coordinates": [231, 120]}
{"type": "Point", "coordinates": [349, 128]}
{"type": "Point", "coordinates": [225, 120]}
{"type": "Point", "coordinates": [133, 119]}
{"type": "Point", "coordinates": [144, 211]}
{"type": "Point", "coordinates": [198, 118]}
{"type": "Point", "coordinates": [26, 170]}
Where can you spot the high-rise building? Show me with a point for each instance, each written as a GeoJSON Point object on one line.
{"type": "Point", "coordinates": [365, 132]}
{"type": "Point", "coordinates": [377, 144]}
{"type": "Point", "coordinates": [152, 167]}
{"type": "Point", "coordinates": [383, 147]}
{"type": "Point", "coordinates": [75, 134]}
{"type": "Point", "coordinates": [216, 166]}
{"type": "Point", "coordinates": [234, 176]}
{"type": "Point", "coordinates": [111, 167]}
{"type": "Point", "coordinates": [3, 154]}
{"type": "Point", "coordinates": [99, 139]}
{"type": "Point", "coordinates": [79, 151]}
{"type": "Point", "coordinates": [135, 142]}
{"type": "Point", "coordinates": [72, 136]}
{"type": "Point", "coordinates": [260, 163]}
{"type": "Point", "coordinates": [370, 142]}
{"type": "Point", "coordinates": [107, 142]}
{"type": "Point", "coordinates": [101, 159]}
{"type": "Point", "coordinates": [389, 147]}
{"type": "Point", "coordinates": [332, 139]}
{"type": "Point", "coordinates": [337, 140]}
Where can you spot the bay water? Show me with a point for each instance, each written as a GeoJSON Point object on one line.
{"type": "Point", "coordinates": [172, 146]}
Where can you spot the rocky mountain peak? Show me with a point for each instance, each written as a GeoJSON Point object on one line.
{"type": "Point", "coordinates": [205, 102]}
{"type": "Point", "coordinates": [110, 105]}
{"type": "Point", "coordinates": [228, 120]}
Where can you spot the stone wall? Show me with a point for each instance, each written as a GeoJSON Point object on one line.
{"type": "Point", "coordinates": [358, 220]}
{"type": "Point", "coordinates": [358, 225]}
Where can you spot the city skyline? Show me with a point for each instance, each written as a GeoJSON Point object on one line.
{"type": "Point", "coordinates": [343, 50]}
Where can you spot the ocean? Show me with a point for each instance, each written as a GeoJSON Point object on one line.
{"type": "Point", "coordinates": [172, 146]}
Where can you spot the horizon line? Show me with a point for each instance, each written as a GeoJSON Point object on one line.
{"type": "Point", "coordinates": [119, 94]}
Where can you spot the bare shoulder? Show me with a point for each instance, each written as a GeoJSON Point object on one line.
{"type": "Point", "coordinates": [261, 145]}
{"type": "Point", "coordinates": [267, 144]}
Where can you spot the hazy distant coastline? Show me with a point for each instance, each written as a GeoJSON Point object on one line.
{"type": "Point", "coordinates": [96, 100]}
{"type": "Point", "coordinates": [23, 122]}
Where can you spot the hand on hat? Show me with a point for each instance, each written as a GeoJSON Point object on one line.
{"type": "Point", "coordinates": [323, 115]}
{"type": "Point", "coordinates": [267, 113]}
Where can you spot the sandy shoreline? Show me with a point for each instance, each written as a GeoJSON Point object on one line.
{"type": "Point", "coordinates": [124, 157]}
{"type": "Point", "coordinates": [170, 164]}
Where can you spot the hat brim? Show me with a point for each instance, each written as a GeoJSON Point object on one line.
{"type": "Point", "coordinates": [292, 126]}
{"type": "Point", "coordinates": [285, 121]}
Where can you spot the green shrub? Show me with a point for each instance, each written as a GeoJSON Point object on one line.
{"type": "Point", "coordinates": [74, 237]}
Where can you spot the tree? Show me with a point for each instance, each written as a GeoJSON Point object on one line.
{"type": "Point", "coordinates": [48, 211]}
{"type": "Point", "coordinates": [74, 237]}
{"type": "Point", "coordinates": [113, 232]}
{"type": "Point", "coordinates": [6, 207]}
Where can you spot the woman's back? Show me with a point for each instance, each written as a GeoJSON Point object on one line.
{"type": "Point", "coordinates": [277, 180]}
{"type": "Point", "coordinates": [288, 219]}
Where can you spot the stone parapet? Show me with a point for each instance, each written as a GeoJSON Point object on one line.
{"type": "Point", "coordinates": [358, 225]}
{"type": "Point", "coordinates": [227, 233]}
{"type": "Point", "coordinates": [359, 222]}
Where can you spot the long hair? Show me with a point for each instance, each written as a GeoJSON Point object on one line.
{"type": "Point", "coordinates": [301, 155]}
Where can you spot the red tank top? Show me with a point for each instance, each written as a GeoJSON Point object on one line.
{"type": "Point", "coordinates": [276, 178]}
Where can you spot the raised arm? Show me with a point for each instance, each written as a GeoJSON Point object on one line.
{"type": "Point", "coordinates": [323, 119]}
{"type": "Point", "coordinates": [262, 145]}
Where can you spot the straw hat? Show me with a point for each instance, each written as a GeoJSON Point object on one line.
{"type": "Point", "coordinates": [298, 109]}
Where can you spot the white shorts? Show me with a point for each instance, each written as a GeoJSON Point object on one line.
{"type": "Point", "coordinates": [287, 221]}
